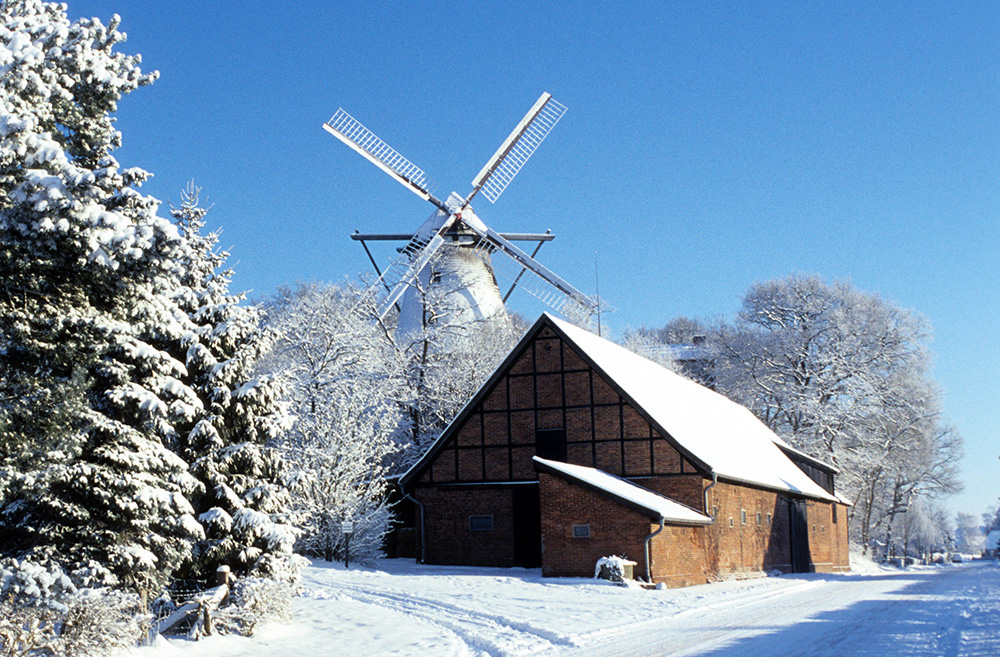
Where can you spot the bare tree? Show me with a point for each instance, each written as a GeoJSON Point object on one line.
{"type": "Point", "coordinates": [347, 388]}
{"type": "Point", "coordinates": [843, 375]}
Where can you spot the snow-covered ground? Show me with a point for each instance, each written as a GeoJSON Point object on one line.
{"type": "Point", "coordinates": [405, 609]}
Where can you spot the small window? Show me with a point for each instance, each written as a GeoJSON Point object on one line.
{"type": "Point", "coordinates": [758, 519]}
{"type": "Point", "coordinates": [769, 520]}
{"type": "Point", "coordinates": [834, 514]}
{"type": "Point", "coordinates": [814, 528]}
{"type": "Point", "coordinates": [481, 523]}
{"type": "Point", "coordinates": [715, 512]}
{"type": "Point", "coordinates": [822, 529]}
{"type": "Point", "coordinates": [743, 517]}
{"type": "Point", "coordinates": [581, 531]}
{"type": "Point", "coordinates": [730, 521]}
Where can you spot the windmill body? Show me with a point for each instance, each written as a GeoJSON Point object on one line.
{"type": "Point", "coordinates": [451, 259]}
{"type": "Point", "coordinates": [458, 288]}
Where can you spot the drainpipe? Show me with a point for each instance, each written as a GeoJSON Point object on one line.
{"type": "Point", "coordinates": [423, 532]}
{"type": "Point", "coordinates": [649, 577]}
{"type": "Point", "coordinates": [715, 480]}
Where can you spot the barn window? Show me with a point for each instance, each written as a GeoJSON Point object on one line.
{"type": "Point", "coordinates": [743, 516]}
{"type": "Point", "coordinates": [758, 519]}
{"type": "Point", "coordinates": [481, 523]}
{"type": "Point", "coordinates": [581, 531]}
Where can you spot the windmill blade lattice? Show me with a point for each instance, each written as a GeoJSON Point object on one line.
{"type": "Point", "coordinates": [518, 147]}
{"type": "Point", "coordinates": [349, 130]}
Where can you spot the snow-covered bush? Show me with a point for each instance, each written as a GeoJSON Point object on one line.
{"type": "Point", "coordinates": [346, 388]}
{"type": "Point", "coordinates": [613, 568]}
{"type": "Point", "coordinates": [85, 623]}
{"type": "Point", "coordinates": [253, 600]}
{"type": "Point", "coordinates": [31, 584]}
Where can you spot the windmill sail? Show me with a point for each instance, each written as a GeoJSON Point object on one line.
{"type": "Point", "coordinates": [417, 253]}
{"type": "Point", "coordinates": [518, 147]}
{"type": "Point", "coordinates": [349, 130]}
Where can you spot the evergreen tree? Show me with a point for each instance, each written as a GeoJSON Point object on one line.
{"type": "Point", "coordinates": [124, 357]}
{"type": "Point", "coordinates": [245, 500]}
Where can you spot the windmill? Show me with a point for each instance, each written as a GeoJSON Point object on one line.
{"type": "Point", "coordinates": [454, 245]}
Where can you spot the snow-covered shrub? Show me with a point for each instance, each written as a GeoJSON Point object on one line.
{"type": "Point", "coordinates": [101, 620]}
{"type": "Point", "coordinates": [86, 623]}
{"type": "Point", "coordinates": [27, 630]}
{"type": "Point", "coordinates": [613, 568]}
{"type": "Point", "coordinates": [31, 584]}
{"type": "Point", "coordinates": [253, 600]}
{"type": "Point", "coordinates": [345, 383]}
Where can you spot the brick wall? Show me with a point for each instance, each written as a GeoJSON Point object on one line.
{"type": "Point", "coordinates": [449, 539]}
{"type": "Point", "coordinates": [614, 529]}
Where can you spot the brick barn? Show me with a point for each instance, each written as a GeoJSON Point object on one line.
{"type": "Point", "coordinates": [577, 448]}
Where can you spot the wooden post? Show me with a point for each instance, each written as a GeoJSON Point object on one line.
{"type": "Point", "coordinates": [224, 577]}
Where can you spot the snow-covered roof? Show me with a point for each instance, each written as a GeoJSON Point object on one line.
{"type": "Point", "coordinates": [788, 449]}
{"type": "Point", "coordinates": [721, 434]}
{"type": "Point", "coordinates": [624, 491]}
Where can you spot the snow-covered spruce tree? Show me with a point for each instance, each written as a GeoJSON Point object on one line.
{"type": "Point", "coordinates": [83, 260]}
{"type": "Point", "coordinates": [224, 431]}
{"type": "Point", "coordinates": [346, 389]}
{"type": "Point", "coordinates": [124, 356]}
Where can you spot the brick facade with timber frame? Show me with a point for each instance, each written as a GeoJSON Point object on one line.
{"type": "Point", "coordinates": [567, 396]}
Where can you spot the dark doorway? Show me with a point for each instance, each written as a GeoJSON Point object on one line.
{"type": "Point", "coordinates": [798, 527]}
{"type": "Point", "coordinates": [527, 526]}
{"type": "Point", "coordinates": [551, 444]}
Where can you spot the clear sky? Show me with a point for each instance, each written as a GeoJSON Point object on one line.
{"type": "Point", "coordinates": [707, 146]}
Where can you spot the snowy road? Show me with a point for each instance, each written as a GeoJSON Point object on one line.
{"type": "Point", "coordinates": [951, 612]}
{"type": "Point", "coordinates": [404, 609]}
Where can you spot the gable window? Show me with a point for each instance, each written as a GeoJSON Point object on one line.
{"type": "Point", "coordinates": [481, 523]}
{"type": "Point", "coordinates": [551, 444]}
{"type": "Point", "coordinates": [581, 531]}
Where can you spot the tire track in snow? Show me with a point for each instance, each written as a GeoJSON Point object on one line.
{"type": "Point", "coordinates": [484, 634]}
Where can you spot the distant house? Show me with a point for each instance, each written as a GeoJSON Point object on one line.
{"type": "Point", "coordinates": [577, 448]}
{"type": "Point", "coordinates": [992, 550]}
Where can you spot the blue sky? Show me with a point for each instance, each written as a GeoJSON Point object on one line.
{"type": "Point", "coordinates": [707, 146]}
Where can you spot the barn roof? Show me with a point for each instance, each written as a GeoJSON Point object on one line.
{"type": "Point", "coordinates": [625, 492]}
{"type": "Point", "coordinates": [716, 434]}
{"type": "Point", "coordinates": [720, 433]}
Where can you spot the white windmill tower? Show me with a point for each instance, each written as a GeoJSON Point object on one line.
{"type": "Point", "coordinates": [453, 249]}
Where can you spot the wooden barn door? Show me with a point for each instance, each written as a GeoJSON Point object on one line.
{"type": "Point", "coordinates": [798, 526]}
{"type": "Point", "coordinates": [527, 527]}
